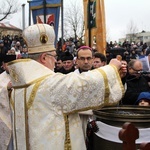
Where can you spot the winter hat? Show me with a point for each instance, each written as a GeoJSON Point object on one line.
{"type": "Point", "coordinates": [66, 56]}
{"type": "Point", "coordinates": [143, 95]}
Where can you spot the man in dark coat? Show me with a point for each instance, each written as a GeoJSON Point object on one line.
{"type": "Point", "coordinates": [136, 82]}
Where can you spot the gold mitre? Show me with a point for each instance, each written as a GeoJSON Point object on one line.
{"type": "Point", "coordinates": [39, 38]}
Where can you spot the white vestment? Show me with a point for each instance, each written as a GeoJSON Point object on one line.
{"type": "Point", "coordinates": [85, 116]}
{"type": "Point", "coordinates": [46, 104]}
{"type": "Point", "coordinates": [5, 117]}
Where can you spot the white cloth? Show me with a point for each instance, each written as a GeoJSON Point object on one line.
{"type": "Point", "coordinates": [46, 104]}
{"type": "Point", "coordinates": [5, 118]}
{"type": "Point", "coordinates": [77, 71]}
{"type": "Point", "coordinates": [110, 133]}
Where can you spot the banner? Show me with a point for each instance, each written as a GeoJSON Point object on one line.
{"type": "Point", "coordinates": [46, 11]}
{"type": "Point", "coordinates": [95, 27]}
{"type": "Point", "coordinates": [92, 14]}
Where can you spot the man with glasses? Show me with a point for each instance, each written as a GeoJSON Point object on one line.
{"type": "Point", "coordinates": [136, 82]}
{"type": "Point", "coordinates": [45, 104]}
{"type": "Point", "coordinates": [84, 59]}
{"type": "Point", "coordinates": [84, 63]}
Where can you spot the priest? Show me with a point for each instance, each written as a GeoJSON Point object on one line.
{"type": "Point", "coordinates": [46, 104]}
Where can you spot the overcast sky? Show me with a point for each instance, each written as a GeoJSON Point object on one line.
{"type": "Point", "coordinates": [118, 15]}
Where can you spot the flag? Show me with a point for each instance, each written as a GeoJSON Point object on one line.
{"type": "Point", "coordinates": [46, 9]}
{"type": "Point", "coordinates": [92, 14]}
{"type": "Point", "coordinates": [38, 19]}
{"type": "Point", "coordinates": [51, 20]}
{"type": "Point", "coordinates": [95, 28]}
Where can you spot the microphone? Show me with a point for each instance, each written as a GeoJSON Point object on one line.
{"type": "Point", "coordinates": [144, 72]}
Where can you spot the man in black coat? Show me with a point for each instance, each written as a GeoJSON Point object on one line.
{"type": "Point", "coordinates": [136, 82]}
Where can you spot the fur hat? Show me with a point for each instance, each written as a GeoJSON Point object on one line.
{"type": "Point", "coordinates": [39, 38]}
{"type": "Point", "coordinates": [66, 56]}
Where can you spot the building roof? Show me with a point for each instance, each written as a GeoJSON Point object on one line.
{"type": "Point", "coordinates": [9, 26]}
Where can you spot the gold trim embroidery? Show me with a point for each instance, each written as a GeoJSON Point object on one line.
{"type": "Point", "coordinates": [107, 91]}
{"type": "Point", "coordinates": [26, 119]}
{"type": "Point", "coordinates": [15, 124]}
{"type": "Point", "coordinates": [34, 90]}
{"type": "Point", "coordinates": [15, 76]}
{"type": "Point", "coordinates": [88, 108]}
{"type": "Point", "coordinates": [120, 82]}
{"type": "Point", "coordinates": [32, 95]}
{"type": "Point", "coordinates": [19, 60]}
{"type": "Point", "coordinates": [67, 137]}
{"type": "Point", "coordinates": [11, 102]}
{"type": "Point", "coordinates": [30, 83]}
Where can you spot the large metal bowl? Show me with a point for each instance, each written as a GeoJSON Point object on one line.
{"type": "Point", "coordinates": [116, 116]}
{"type": "Point", "coordinates": [138, 115]}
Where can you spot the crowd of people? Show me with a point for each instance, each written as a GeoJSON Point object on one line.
{"type": "Point", "coordinates": [53, 93]}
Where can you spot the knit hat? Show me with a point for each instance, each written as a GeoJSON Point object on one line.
{"type": "Point", "coordinates": [66, 56]}
{"type": "Point", "coordinates": [39, 38]}
{"type": "Point", "coordinates": [143, 95]}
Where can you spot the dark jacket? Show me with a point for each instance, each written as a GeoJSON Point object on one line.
{"type": "Point", "coordinates": [67, 71]}
{"type": "Point", "coordinates": [134, 87]}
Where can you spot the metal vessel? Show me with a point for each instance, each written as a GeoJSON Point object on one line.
{"type": "Point", "coordinates": [116, 116]}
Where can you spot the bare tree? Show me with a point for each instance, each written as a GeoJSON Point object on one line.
{"type": "Point", "coordinates": [73, 21]}
{"type": "Point", "coordinates": [8, 7]}
{"type": "Point", "coordinates": [131, 31]}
